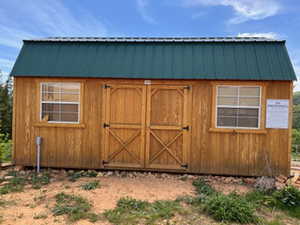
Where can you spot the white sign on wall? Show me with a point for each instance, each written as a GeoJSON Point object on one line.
{"type": "Point", "coordinates": [277, 113]}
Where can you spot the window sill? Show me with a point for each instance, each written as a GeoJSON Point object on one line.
{"type": "Point", "coordinates": [62, 125]}
{"type": "Point", "coordinates": [242, 131]}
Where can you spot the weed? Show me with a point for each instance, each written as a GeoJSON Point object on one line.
{"type": "Point", "coordinates": [40, 216]}
{"type": "Point", "coordinates": [203, 188]}
{"type": "Point", "coordinates": [38, 180]}
{"type": "Point", "coordinates": [4, 203]}
{"type": "Point", "coordinates": [74, 176]}
{"type": "Point", "coordinates": [230, 208]}
{"type": "Point", "coordinates": [132, 211]}
{"type": "Point", "coordinates": [75, 207]}
{"type": "Point", "coordinates": [90, 185]}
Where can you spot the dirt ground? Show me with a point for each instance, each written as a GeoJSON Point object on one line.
{"type": "Point", "coordinates": [31, 202]}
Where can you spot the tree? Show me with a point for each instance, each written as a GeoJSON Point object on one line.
{"type": "Point", "coordinates": [6, 107]}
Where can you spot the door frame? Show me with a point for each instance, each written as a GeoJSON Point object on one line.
{"type": "Point", "coordinates": [145, 151]}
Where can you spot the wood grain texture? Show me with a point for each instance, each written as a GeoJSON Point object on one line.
{"type": "Point", "coordinates": [210, 151]}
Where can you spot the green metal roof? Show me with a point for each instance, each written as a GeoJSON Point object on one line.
{"type": "Point", "coordinates": [156, 58]}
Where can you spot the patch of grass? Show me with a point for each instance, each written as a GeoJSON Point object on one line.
{"type": "Point", "coordinates": [230, 208]}
{"type": "Point", "coordinates": [18, 181]}
{"type": "Point", "coordinates": [15, 184]}
{"type": "Point", "coordinates": [39, 180]}
{"type": "Point", "coordinates": [74, 176]}
{"type": "Point", "coordinates": [91, 185]}
{"type": "Point", "coordinates": [4, 203]}
{"type": "Point", "coordinates": [132, 211]}
{"type": "Point", "coordinates": [75, 207]}
{"type": "Point", "coordinates": [203, 188]}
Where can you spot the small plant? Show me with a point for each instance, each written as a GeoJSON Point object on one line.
{"type": "Point", "coordinates": [38, 180]}
{"type": "Point", "coordinates": [132, 211]}
{"type": "Point", "coordinates": [90, 185]}
{"type": "Point", "coordinates": [40, 216]}
{"type": "Point", "coordinates": [289, 196]}
{"type": "Point", "coordinates": [4, 203]}
{"type": "Point", "coordinates": [15, 184]}
{"type": "Point", "coordinates": [203, 189]}
{"type": "Point", "coordinates": [75, 207]}
{"type": "Point", "coordinates": [74, 176]}
{"type": "Point", "coordinates": [230, 208]}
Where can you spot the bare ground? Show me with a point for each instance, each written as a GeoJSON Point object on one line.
{"type": "Point", "coordinates": [31, 203]}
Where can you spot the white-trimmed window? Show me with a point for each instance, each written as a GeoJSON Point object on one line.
{"type": "Point", "coordinates": [238, 106]}
{"type": "Point", "coordinates": [60, 102]}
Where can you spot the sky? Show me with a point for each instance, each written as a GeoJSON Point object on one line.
{"type": "Point", "coordinates": [27, 19]}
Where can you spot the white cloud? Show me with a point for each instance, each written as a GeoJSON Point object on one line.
{"type": "Point", "coordinates": [142, 6]}
{"type": "Point", "coordinates": [270, 35]}
{"type": "Point", "coordinates": [295, 58]}
{"type": "Point", "coordinates": [44, 18]}
{"type": "Point", "coordinates": [244, 10]}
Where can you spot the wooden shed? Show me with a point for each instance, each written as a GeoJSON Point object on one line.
{"type": "Point", "coordinates": [197, 105]}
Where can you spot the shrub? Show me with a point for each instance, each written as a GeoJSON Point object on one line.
{"type": "Point", "coordinates": [91, 185]}
{"type": "Point", "coordinates": [230, 208]}
{"type": "Point", "coordinates": [288, 197]}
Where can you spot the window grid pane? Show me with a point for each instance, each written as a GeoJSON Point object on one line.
{"type": "Point", "coordinates": [60, 102]}
{"type": "Point", "coordinates": [238, 106]}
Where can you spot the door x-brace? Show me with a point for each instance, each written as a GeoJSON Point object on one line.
{"type": "Point", "coordinates": [166, 147]}
{"type": "Point", "coordinates": [123, 145]}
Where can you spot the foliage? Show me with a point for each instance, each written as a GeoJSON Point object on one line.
{"type": "Point", "coordinates": [75, 207]}
{"type": "Point", "coordinates": [289, 196]}
{"type": "Point", "coordinates": [74, 176]}
{"type": "Point", "coordinates": [38, 180]}
{"type": "Point", "coordinates": [132, 211]}
{"type": "Point", "coordinates": [203, 188]}
{"type": "Point", "coordinates": [230, 208]}
{"type": "Point", "coordinates": [91, 185]}
{"type": "Point", "coordinates": [17, 182]}
{"type": "Point", "coordinates": [5, 148]}
{"type": "Point", "coordinates": [6, 107]}
{"type": "Point", "coordinates": [287, 200]}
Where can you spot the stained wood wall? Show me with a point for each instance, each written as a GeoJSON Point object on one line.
{"type": "Point", "coordinates": [211, 152]}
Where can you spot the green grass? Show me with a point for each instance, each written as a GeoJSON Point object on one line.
{"type": "Point", "coordinates": [18, 181]}
{"type": "Point", "coordinates": [295, 156]}
{"type": "Point", "coordinates": [40, 216]}
{"type": "Point", "coordinates": [132, 211]}
{"type": "Point", "coordinates": [91, 185]}
{"type": "Point", "coordinates": [5, 148]}
{"type": "Point", "coordinates": [75, 207]}
{"type": "Point", "coordinates": [74, 176]}
{"type": "Point", "coordinates": [230, 208]}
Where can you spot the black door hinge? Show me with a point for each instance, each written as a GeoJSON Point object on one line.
{"type": "Point", "coordinates": [105, 125]}
{"type": "Point", "coordinates": [187, 87]}
{"type": "Point", "coordinates": [106, 86]}
{"type": "Point", "coordinates": [184, 166]}
{"type": "Point", "coordinates": [186, 128]}
{"type": "Point", "coordinates": [104, 162]}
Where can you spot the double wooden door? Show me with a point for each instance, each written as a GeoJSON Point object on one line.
{"type": "Point", "coordinates": [146, 126]}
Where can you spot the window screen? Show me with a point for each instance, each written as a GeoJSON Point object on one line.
{"type": "Point", "coordinates": [238, 106]}
{"type": "Point", "coordinates": [60, 102]}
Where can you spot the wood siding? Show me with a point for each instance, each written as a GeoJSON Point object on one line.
{"type": "Point", "coordinates": [206, 150]}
